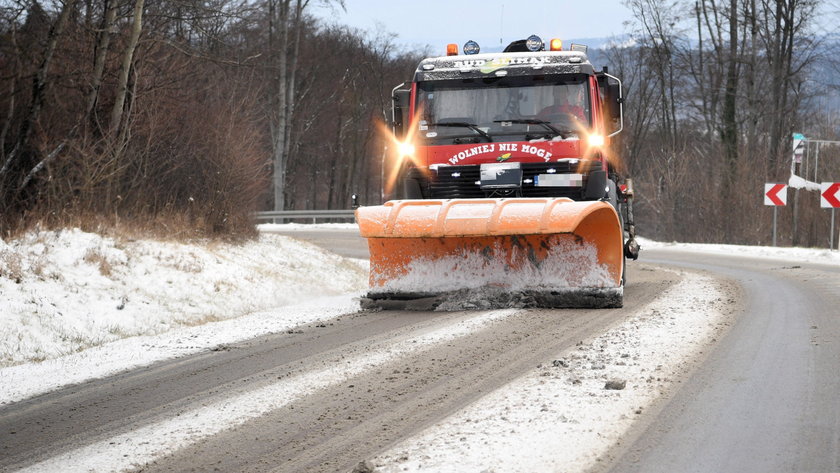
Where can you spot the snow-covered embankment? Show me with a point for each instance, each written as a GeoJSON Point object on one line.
{"type": "Point", "coordinates": [69, 297]}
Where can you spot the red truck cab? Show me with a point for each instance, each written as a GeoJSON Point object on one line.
{"type": "Point", "coordinates": [527, 122]}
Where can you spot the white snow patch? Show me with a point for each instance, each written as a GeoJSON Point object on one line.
{"type": "Point", "coordinates": [567, 265]}
{"type": "Point", "coordinates": [793, 255]}
{"type": "Point", "coordinates": [560, 417]}
{"type": "Point", "coordinates": [570, 137]}
{"type": "Point", "coordinates": [62, 292]}
{"type": "Point", "coordinates": [797, 182]}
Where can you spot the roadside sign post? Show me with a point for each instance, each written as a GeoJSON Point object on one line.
{"type": "Point", "coordinates": [799, 143]}
{"type": "Point", "coordinates": [798, 147]}
{"type": "Point", "coordinates": [830, 198]}
{"type": "Point", "coordinates": [775, 195]}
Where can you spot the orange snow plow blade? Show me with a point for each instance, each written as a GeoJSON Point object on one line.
{"type": "Point", "coordinates": [545, 252]}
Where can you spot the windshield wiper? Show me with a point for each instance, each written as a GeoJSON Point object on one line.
{"type": "Point", "coordinates": [533, 121]}
{"type": "Point", "coordinates": [471, 126]}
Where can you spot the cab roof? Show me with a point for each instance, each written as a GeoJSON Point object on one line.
{"type": "Point", "coordinates": [503, 64]}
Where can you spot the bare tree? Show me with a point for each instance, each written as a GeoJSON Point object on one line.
{"type": "Point", "coordinates": [8, 190]}
{"type": "Point", "coordinates": [125, 68]}
{"type": "Point", "coordinates": [729, 125]}
{"type": "Point", "coordinates": [101, 53]}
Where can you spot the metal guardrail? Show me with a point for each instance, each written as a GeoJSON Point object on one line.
{"type": "Point", "coordinates": [279, 216]}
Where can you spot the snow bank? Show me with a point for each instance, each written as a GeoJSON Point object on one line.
{"type": "Point", "coordinates": [793, 255]}
{"type": "Point", "coordinates": [66, 291]}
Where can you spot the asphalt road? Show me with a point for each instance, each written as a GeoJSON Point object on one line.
{"type": "Point", "coordinates": [765, 399]}
{"type": "Point", "coordinates": [345, 242]}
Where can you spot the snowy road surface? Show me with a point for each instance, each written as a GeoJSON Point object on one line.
{"type": "Point", "coordinates": [727, 363]}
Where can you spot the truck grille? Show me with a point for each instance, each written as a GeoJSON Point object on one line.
{"type": "Point", "coordinates": [460, 182]}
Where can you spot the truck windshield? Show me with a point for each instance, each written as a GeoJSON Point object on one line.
{"type": "Point", "coordinates": [505, 106]}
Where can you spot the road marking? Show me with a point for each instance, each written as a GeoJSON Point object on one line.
{"type": "Point", "coordinates": [135, 448]}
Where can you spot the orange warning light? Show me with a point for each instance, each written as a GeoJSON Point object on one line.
{"type": "Point", "coordinates": [451, 49]}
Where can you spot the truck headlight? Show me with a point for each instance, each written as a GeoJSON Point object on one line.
{"type": "Point", "coordinates": [406, 149]}
{"type": "Point", "coordinates": [596, 140]}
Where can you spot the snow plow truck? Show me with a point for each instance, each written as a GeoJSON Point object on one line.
{"type": "Point", "coordinates": [506, 186]}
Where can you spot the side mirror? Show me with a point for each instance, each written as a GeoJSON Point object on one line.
{"type": "Point", "coordinates": [613, 101]}
{"type": "Point", "coordinates": [399, 113]}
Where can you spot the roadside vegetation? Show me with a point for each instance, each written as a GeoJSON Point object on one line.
{"type": "Point", "coordinates": [169, 117]}
{"type": "Point", "coordinates": [180, 119]}
{"type": "Point", "coordinates": [715, 91]}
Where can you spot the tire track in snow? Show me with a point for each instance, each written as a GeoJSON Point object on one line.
{"type": "Point", "coordinates": [153, 441]}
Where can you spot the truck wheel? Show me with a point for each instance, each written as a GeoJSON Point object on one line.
{"type": "Point", "coordinates": [612, 198]}
{"type": "Point", "coordinates": [410, 189]}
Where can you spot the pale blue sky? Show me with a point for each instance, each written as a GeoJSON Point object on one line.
{"type": "Point", "coordinates": [437, 22]}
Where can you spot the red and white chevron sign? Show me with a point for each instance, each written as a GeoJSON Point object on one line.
{"type": "Point", "coordinates": [829, 195]}
{"type": "Point", "coordinates": [775, 194]}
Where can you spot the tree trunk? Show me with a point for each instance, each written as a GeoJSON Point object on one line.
{"type": "Point", "coordinates": [13, 84]}
{"type": "Point", "coordinates": [125, 68]}
{"type": "Point", "coordinates": [102, 45]}
{"type": "Point", "coordinates": [300, 5]}
{"type": "Point", "coordinates": [752, 97]}
{"type": "Point", "coordinates": [777, 90]}
{"type": "Point", "coordinates": [729, 128]}
{"type": "Point", "coordinates": [281, 132]}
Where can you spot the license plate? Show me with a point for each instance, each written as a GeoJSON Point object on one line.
{"type": "Point", "coordinates": [501, 176]}
{"type": "Point", "coordinates": [558, 180]}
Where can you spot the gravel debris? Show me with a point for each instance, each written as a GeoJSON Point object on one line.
{"type": "Point", "coordinates": [616, 384]}
{"type": "Point", "coordinates": [364, 467]}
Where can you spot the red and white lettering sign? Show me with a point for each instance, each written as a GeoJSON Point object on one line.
{"type": "Point", "coordinates": [775, 194]}
{"type": "Point", "coordinates": [829, 195]}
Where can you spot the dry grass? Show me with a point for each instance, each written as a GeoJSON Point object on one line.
{"type": "Point", "coordinates": [94, 256]}
{"type": "Point", "coordinates": [11, 266]}
{"type": "Point", "coordinates": [172, 227]}
{"type": "Point", "coordinates": [190, 263]}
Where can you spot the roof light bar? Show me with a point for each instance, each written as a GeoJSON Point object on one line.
{"type": "Point", "coordinates": [579, 48]}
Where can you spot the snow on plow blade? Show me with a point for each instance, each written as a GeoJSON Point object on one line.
{"type": "Point", "coordinates": [543, 252]}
